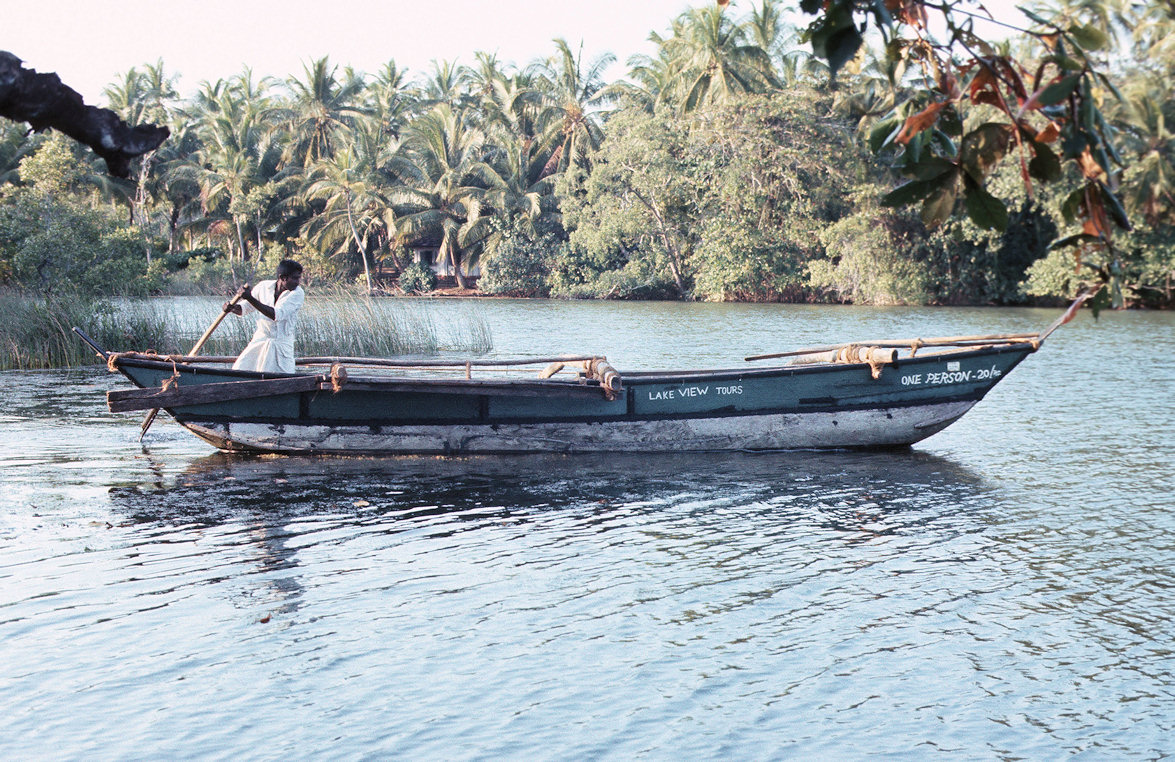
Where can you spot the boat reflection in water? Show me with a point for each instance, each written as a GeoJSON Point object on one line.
{"type": "Point", "coordinates": [835, 489]}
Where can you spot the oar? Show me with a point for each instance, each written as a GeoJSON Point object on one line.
{"type": "Point", "coordinates": [150, 419]}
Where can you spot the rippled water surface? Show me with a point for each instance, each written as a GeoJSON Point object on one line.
{"type": "Point", "coordinates": [1002, 590]}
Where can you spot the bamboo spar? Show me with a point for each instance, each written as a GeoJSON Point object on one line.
{"type": "Point", "coordinates": [948, 341]}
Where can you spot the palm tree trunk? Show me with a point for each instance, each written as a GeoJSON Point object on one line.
{"type": "Point", "coordinates": [358, 243]}
{"type": "Point", "coordinates": [260, 249]}
{"type": "Point", "coordinates": [240, 237]}
{"type": "Point", "coordinates": [140, 202]}
{"type": "Point", "coordinates": [461, 283]}
{"type": "Point", "coordinates": [173, 228]}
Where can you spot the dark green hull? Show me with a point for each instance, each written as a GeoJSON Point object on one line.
{"type": "Point", "coordinates": [787, 407]}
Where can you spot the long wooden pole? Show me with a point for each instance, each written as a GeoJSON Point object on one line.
{"type": "Point", "coordinates": [949, 341]}
{"type": "Point", "coordinates": [938, 341]}
{"type": "Point", "coordinates": [150, 419]}
{"type": "Point", "coordinates": [1069, 313]}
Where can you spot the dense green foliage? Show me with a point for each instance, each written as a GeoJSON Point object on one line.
{"type": "Point", "coordinates": [724, 203]}
{"type": "Point", "coordinates": [417, 279]}
{"type": "Point", "coordinates": [726, 166]}
{"type": "Point", "coordinates": [522, 261]}
{"type": "Point", "coordinates": [51, 243]}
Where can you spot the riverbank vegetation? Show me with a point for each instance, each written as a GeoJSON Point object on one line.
{"type": "Point", "coordinates": [35, 331]}
{"type": "Point", "coordinates": [726, 166]}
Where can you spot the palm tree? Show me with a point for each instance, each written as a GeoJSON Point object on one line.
{"type": "Point", "coordinates": [446, 181]}
{"type": "Point", "coordinates": [15, 144]}
{"type": "Point", "coordinates": [177, 182]}
{"type": "Point", "coordinates": [482, 78]}
{"type": "Point", "coordinates": [1143, 120]}
{"type": "Point", "coordinates": [513, 108]}
{"type": "Point", "coordinates": [714, 58]}
{"type": "Point", "coordinates": [390, 100]}
{"type": "Point", "coordinates": [321, 110]}
{"type": "Point", "coordinates": [792, 61]}
{"type": "Point", "coordinates": [526, 195]}
{"type": "Point", "coordinates": [766, 28]}
{"type": "Point", "coordinates": [652, 79]}
{"type": "Point", "coordinates": [144, 96]}
{"type": "Point", "coordinates": [448, 84]}
{"type": "Point", "coordinates": [355, 193]}
{"type": "Point", "coordinates": [576, 91]}
{"type": "Point", "coordinates": [237, 163]}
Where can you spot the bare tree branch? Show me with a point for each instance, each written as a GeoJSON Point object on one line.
{"type": "Point", "coordinates": [43, 101]}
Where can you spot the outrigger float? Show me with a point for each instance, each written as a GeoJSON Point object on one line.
{"type": "Point", "coordinates": [876, 394]}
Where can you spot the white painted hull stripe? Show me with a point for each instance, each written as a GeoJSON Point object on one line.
{"type": "Point", "coordinates": [809, 430]}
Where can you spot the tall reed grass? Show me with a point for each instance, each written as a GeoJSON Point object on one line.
{"type": "Point", "coordinates": [35, 331]}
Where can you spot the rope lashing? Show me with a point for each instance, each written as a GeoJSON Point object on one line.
{"type": "Point", "coordinates": [599, 369]}
{"type": "Point", "coordinates": [173, 380]}
{"type": "Point", "coordinates": [338, 377]}
{"type": "Point", "coordinates": [113, 358]}
{"type": "Point", "coordinates": [874, 357]}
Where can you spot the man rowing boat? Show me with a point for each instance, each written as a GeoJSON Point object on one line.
{"type": "Point", "coordinates": [271, 350]}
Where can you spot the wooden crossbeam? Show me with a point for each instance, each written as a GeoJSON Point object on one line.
{"type": "Point", "coordinates": [124, 400]}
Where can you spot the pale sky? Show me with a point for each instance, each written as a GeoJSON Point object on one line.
{"type": "Point", "coordinates": [91, 43]}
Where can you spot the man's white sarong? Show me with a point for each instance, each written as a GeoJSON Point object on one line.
{"type": "Point", "coordinates": [271, 350]}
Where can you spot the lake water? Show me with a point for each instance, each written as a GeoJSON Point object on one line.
{"type": "Point", "coordinates": [1003, 590]}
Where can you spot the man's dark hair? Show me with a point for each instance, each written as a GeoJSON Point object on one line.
{"type": "Point", "coordinates": [288, 267]}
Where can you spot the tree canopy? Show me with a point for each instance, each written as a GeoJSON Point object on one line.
{"type": "Point", "coordinates": [881, 152]}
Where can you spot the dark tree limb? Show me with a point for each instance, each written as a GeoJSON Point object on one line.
{"type": "Point", "coordinates": [43, 101]}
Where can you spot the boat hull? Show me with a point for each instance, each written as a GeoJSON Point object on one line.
{"type": "Point", "coordinates": [788, 407]}
{"type": "Point", "coordinates": [886, 427]}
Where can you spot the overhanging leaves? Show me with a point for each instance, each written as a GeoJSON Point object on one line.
{"type": "Point", "coordinates": [922, 189]}
{"type": "Point", "coordinates": [1072, 240]}
{"type": "Point", "coordinates": [908, 193]}
{"type": "Point", "coordinates": [1045, 165]}
{"type": "Point", "coordinates": [919, 122]}
{"type": "Point", "coordinates": [1114, 206]}
{"type": "Point", "coordinates": [940, 204]}
{"type": "Point", "coordinates": [984, 209]}
{"type": "Point", "coordinates": [835, 37]}
{"type": "Point", "coordinates": [882, 133]}
{"type": "Point", "coordinates": [1088, 36]}
{"type": "Point", "coordinates": [983, 147]}
{"type": "Point", "coordinates": [1059, 90]}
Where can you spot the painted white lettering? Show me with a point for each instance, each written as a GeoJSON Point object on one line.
{"type": "Point", "coordinates": [951, 377]}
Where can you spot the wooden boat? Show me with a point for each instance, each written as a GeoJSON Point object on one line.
{"type": "Point", "coordinates": [859, 395]}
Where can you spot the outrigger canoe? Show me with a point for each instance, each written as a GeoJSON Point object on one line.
{"type": "Point", "coordinates": [878, 394]}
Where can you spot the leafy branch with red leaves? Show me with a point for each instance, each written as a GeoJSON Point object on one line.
{"type": "Point", "coordinates": [975, 104]}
